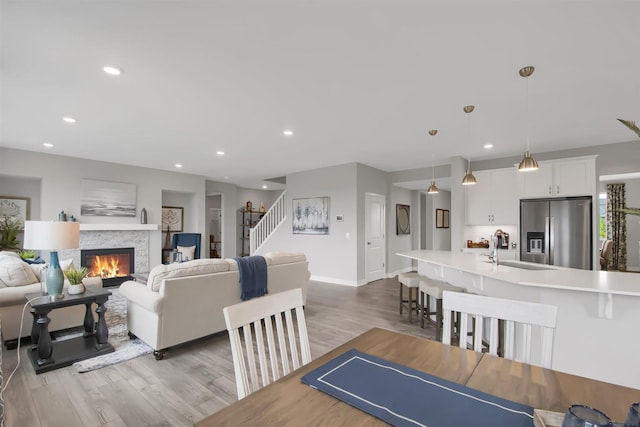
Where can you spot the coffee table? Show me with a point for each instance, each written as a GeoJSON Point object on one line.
{"type": "Point", "coordinates": [46, 354]}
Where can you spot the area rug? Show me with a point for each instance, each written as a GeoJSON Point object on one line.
{"type": "Point", "coordinates": [125, 348]}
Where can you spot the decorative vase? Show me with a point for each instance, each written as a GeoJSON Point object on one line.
{"type": "Point", "coordinates": [55, 277]}
{"type": "Point", "coordinates": [76, 289]}
{"type": "Point", "coordinates": [167, 241]}
{"type": "Point", "coordinates": [143, 216]}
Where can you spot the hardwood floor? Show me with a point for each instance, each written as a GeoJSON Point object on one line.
{"type": "Point", "coordinates": [194, 380]}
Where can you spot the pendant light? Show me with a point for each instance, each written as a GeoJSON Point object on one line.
{"type": "Point", "coordinates": [433, 188]}
{"type": "Point", "coordinates": [528, 163]}
{"type": "Point", "coordinates": [469, 179]}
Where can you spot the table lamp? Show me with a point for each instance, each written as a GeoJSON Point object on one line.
{"type": "Point", "coordinates": [53, 236]}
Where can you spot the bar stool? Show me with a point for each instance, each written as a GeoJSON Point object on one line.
{"type": "Point", "coordinates": [412, 281]}
{"type": "Point", "coordinates": [433, 288]}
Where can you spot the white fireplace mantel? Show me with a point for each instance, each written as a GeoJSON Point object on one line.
{"type": "Point", "coordinates": [118, 227]}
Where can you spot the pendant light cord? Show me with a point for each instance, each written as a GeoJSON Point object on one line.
{"type": "Point", "coordinates": [526, 112]}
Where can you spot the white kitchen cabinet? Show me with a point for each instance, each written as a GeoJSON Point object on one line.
{"type": "Point", "coordinates": [559, 178]}
{"type": "Point", "coordinates": [493, 200]}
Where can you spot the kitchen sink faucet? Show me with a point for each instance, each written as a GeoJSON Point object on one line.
{"type": "Point", "coordinates": [494, 255]}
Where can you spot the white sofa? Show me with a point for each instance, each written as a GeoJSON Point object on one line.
{"type": "Point", "coordinates": [17, 278]}
{"type": "Point", "coordinates": [182, 302]}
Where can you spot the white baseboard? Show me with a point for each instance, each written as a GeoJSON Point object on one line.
{"type": "Point", "coordinates": [633, 268]}
{"type": "Point", "coordinates": [336, 281]}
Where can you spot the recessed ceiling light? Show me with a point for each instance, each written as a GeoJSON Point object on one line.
{"type": "Point", "coordinates": [264, 186]}
{"type": "Point", "coordinates": [112, 70]}
{"type": "Point", "coordinates": [47, 144]}
{"type": "Point", "coordinates": [178, 165]}
{"type": "Point", "coordinates": [220, 153]}
{"type": "Point", "coordinates": [287, 132]}
{"type": "Point", "coordinates": [226, 177]}
{"type": "Point", "coordinates": [487, 146]}
{"type": "Point", "coordinates": [69, 119]}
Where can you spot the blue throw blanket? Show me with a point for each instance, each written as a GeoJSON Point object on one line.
{"type": "Point", "coordinates": [253, 276]}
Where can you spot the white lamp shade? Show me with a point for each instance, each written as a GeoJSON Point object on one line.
{"type": "Point", "coordinates": [51, 235]}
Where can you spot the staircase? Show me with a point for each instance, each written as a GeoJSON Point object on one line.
{"type": "Point", "coordinates": [269, 222]}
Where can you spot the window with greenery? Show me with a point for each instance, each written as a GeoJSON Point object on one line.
{"type": "Point", "coordinates": [602, 211]}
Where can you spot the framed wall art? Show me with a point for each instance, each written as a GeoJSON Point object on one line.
{"type": "Point", "coordinates": [105, 198]}
{"type": "Point", "coordinates": [172, 218]}
{"type": "Point", "coordinates": [403, 219]}
{"type": "Point", "coordinates": [442, 218]}
{"type": "Point", "coordinates": [311, 216]}
{"type": "Point", "coordinates": [16, 208]}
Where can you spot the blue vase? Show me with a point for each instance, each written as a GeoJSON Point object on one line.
{"type": "Point", "coordinates": [55, 277]}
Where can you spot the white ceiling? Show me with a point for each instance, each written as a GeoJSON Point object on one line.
{"type": "Point", "coordinates": [356, 81]}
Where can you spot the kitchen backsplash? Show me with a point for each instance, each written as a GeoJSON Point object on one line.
{"type": "Point", "coordinates": [477, 232]}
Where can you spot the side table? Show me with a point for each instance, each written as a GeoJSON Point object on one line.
{"type": "Point", "coordinates": [47, 355]}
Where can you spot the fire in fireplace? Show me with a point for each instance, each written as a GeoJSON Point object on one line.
{"type": "Point", "coordinates": [113, 265]}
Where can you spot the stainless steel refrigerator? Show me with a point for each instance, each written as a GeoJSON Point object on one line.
{"type": "Point", "coordinates": [557, 232]}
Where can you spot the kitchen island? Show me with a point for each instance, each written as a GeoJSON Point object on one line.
{"type": "Point", "coordinates": [598, 329]}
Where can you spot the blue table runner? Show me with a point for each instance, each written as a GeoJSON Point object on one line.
{"type": "Point", "coordinates": [402, 396]}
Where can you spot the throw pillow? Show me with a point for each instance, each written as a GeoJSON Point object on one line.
{"type": "Point", "coordinates": [16, 273]}
{"type": "Point", "coordinates": [187, 252]}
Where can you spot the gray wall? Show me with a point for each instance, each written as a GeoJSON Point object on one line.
{"type": "Point", "coordinates": [374, 181]}
{"type": "Point", "coordinates": [229, 215]}
{"type": "Point", "coordinates": [61, 177]}
{"type": "Point", "coordinates": [332, 257]}
{"type": "Point", "coordinates": [400, 243]}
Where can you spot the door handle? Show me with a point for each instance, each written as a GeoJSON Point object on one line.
{"type": "Point", "coordinates": [368, 243]}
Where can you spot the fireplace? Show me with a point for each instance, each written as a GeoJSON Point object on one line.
{"type": "Point", "coordinates": [113, 265]}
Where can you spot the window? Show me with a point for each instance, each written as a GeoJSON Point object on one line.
{"type": "Point", "coordinates": [602, 213]}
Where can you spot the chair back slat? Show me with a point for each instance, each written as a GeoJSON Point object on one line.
{"type": "Point", "coordinates": [263, 357]}
{"type": "Point", "coordinates": [494, 341]}
{"type": "Point", "coordinates": [282, 345]}
{"type": "Point", "coordinates": [302, 332]}
{"type": "Point", "coordinates": [526, 343]}
{"type": "Point", "coordinates": [509, 339]}
{"type": "Point", "coordinates": [248, 348]}
{"type": "Point", "coordinates": [478, 332]}
{"type": "Point", "coordinates": [293, 350]}
{"type": "Point", "coordinates": [518, 317]}
{"type": "Point", "coordinates": [275, 371]}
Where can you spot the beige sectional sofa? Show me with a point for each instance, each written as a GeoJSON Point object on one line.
{"type": "Point", "coordinates": [17, 278]}
{"type": "Point", "coordinates": [182, 302]}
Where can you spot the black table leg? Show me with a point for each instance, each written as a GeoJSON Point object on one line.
{"type": "Point", "coordinates": [45, 348]}
{"type": "Point", "coordinates": [89, 322]}
{"type": "Point", "coordinates": [102, 332]}
{"type": "Point", "coordinates": [35, 330]}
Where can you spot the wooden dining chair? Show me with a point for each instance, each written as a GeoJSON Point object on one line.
{"type": "Point", "coordinates": [518, 318]}
{"type": "Point", "coordinates": [256, 318]}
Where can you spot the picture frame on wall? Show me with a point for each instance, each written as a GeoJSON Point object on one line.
{"type": "Point", "coordinates": [311, 216]}
{"type": "Point", "coordinates": [105, 198]}
{"type": "Point", "coordinates": [403, 219]}
{"type": "Point", "coordinates": [172, 218]}
{"type": "Point", "coordinates": [439, 218]}
{"type": "Point", "coordinates": [16, 208]}
{"type": "Point", "coordinates": [442, 218]}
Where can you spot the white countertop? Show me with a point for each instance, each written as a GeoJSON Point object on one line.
{"type": "Point", "coordinates": [601, 282]}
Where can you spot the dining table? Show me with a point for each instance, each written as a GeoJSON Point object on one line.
{"type": "Point", "coordinates": [288, 401]}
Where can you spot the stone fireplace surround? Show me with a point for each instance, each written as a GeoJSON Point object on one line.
{"type": "Point", "coordinates": [100, 236]}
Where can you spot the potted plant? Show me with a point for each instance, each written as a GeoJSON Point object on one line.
{"type": "Point", "coordinates": [75, 280]}
{"type": "Point", "coordinates": [9, 229]}
{"type": "Point", "coordinates": [27, 254]}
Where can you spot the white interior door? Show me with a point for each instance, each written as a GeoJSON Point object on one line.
{"type": "Point", "coordinates": [374, 237]}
